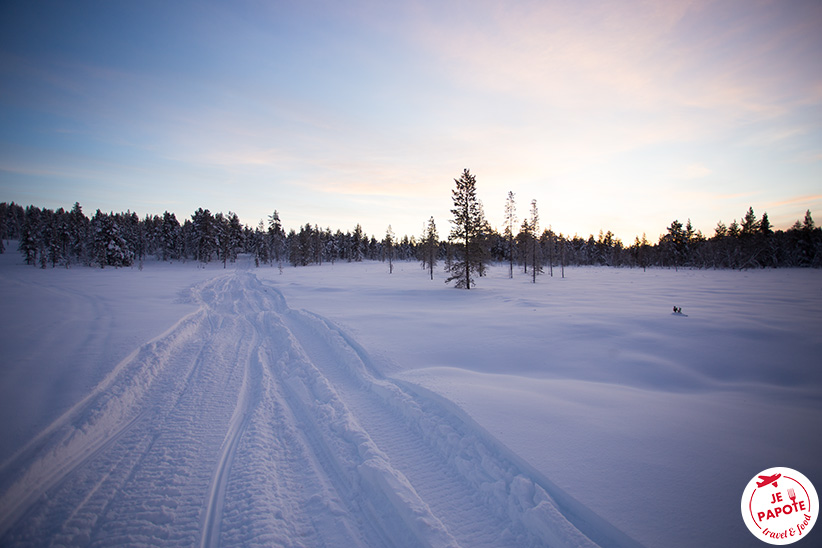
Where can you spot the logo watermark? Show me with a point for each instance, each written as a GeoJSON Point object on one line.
{"type": "Point", "coordinates": [780, 506]}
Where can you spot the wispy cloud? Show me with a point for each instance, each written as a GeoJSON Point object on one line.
{"type": "Point", "coordinates": [799, 200]}
{"type": "Point", "coordinates": [601, 111]}
{"type": "Point", "coordinates": [694, 171]}
{"type": "Point", "coordinates": [773, 136]}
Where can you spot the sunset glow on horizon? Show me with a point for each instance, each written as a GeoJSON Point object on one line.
{"type": "Point", "coordinates": [613, 116]}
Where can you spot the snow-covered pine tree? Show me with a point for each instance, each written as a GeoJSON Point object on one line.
{"type": "Point", "coordinates": [562, 256]}
{"type": "Point", "coordinates": [304, 250]}
{"type": "Point", "coordinates": [388, 248]}
{"type": "Point", "coordinates": [508, 233]}
{"type": "Point", "coordinates": [294, 251]}
{"type": "Point", "coordinates": [110, 248]}
{"type": "Point", "coordinates": [484, 242]}
{"type": "Point", "coordinates": [58, 239]}
{"type": "Point", "coordinates": [276, 236]}
{"type": "Point", "coordinates": [260, 244]}
{"type": "Point", "coordinates": [222, 230]}
{"type": "Point", "coordinates": [30, 235]}
{"type": "Point", "coordinates": [548, 241]}
{"type": "Point", "coordinates": [676, 244]}
{"type": "Point", "coordinates": [204, 237]}
{"type": "Point", "coordinates": [3, 227]}
{"type": "Point", "coordinates": [750, 224]}
{"type": "Point", "coordinates": [78, 235]}
{"type": "Point", "coordinates": [51, 237]}
{"type": "Point", "coordinates": [430, 247]}
{"type": "Point", "coordinates": [317, 245]}
{"type": "Point", "coordinates": [170, 237]}
{"type": "Point", "coordinates": [359, 243]}
{"type": "Point", "coordinates": [765, 225]}
{"type": "Point", "coordinates": [534, 249]}
{"type": "Point", "coordinates": [807, 224]}
{"type": "Point", "coordinates": [468, 232]}
{"type": "Point", "coordinates": [235, 236]}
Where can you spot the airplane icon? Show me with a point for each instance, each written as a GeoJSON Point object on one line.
{"type": "Point", "coordinates": [766, 480]}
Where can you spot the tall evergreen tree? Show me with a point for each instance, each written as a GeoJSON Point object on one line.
{"type": "Point", "coordinates": [30, 235]}
{"type": "Point", "coordinates": [359, 243]}
{"type": "Point", "coordinates": [260, 244]}
{"type": "Point", "coordinates": [534, 250]}
{"type": "Point", "coordinates": [510, 222]}
{"type": "Point", "coordinates": [808, 224]}
{"type": "Point", "coordinates": [276, 236]}
{"type": "Point", "coordinates": [676, 243]}
{"type": "Point", "coordinates": [750, 224]}
{"type": "Point", "coordinates": [204, 235]}
{"type": "Point", "coordinates": [223, 234]}
{"type": "Point", "coordinates": [430, 247]}
{"type": "Point", "coordinates": [170, 236]}
{"type": "Point", "coordinates": [468, 230]}
{"type": "Point", "coordinates": [388, 248]}
{"type": "Point", "coordinates": [78, 234]}
{"type": "Point", "coordinates": [765, 225]}
{"type": "Point", "coordinates": [110, 248]}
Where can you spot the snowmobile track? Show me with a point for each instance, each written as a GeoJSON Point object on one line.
{"type": "Point", "coordinates": [248, 423]}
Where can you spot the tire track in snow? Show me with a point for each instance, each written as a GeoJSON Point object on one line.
{"type": "Point", "coordinates": [95, 482]}
{"type": "Point", "coordinates": [110, 412]}
{"type": "Point", "coordinates": [239, 422]}
{"type": "Point", "coordinates": [449, 497]}
{"type": "Point", "coordinates": [384, 508]}
{"type": "Point", "coordinates": [502, 500]}
{"type": "Point", "coordinates": [251, 424]}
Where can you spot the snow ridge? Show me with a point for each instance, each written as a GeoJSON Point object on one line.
{"type": "Point", "coordinates": [248, 423]}
{"type": "Point", "coordinates": [503, 482]}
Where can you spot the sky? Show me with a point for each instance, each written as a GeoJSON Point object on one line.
{"type": "Point", "coordinates": [620, 116]}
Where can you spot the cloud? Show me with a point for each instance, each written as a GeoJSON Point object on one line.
{"type": "Point", "coordinates": [798, 200]}
{"type": "Point", "coordinates": [564, 102]}
{"type": "Point", "coordinates": [773, 136]}
{"type": "Point", "coordinates": [694, 171]}
{"type": "Point", "coordinates": [666, 59]}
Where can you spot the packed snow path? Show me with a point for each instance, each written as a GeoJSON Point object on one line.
{"type": "Point", "coordinates": [251, 424]}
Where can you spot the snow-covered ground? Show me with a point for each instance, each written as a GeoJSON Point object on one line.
{"type": "Point", "coordinates": [341, 405]}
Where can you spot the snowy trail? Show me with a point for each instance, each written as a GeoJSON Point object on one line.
{"type": "Point", "coordinates": [248, 423]}
{"type": "Point", "coordinates": [447, 494]}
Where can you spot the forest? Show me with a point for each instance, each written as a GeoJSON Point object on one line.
{"type": "Point", "coordinates": [48, 238]}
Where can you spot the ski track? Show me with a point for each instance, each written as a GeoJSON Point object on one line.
{"type": "Point", "coordinates": [251, 424]}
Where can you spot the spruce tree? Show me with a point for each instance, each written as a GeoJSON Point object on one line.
{"type": "Point", "coordinates": [534, 249]}
{"type": "Point", "coordinates": [430, 247]}
{"type": "Point", "coordinates": [30, 235]}
{"type": "Point", "coordinates": [204, 235]}
{"type": "Point", "coordinates": [276, 235]}
{"type": "Point", "coordinates": [750, 224]}
{"type": "Point", "coordinates": [510, 221]}
{"type": "Point", "coordinates": [468, 232]}
{"type": "Point", "coordinates": [388, 248]}
{"type": "Point", "coordinates": [170, 237]}
{"type": "Point", "coordinates": [765, 225]}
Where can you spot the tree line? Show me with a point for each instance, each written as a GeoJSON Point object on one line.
{"type": "Point", "coordinates": [751, 243]}
{"type": "Point", "coordinates": [63, 238]}
{"type": "Point", "coordinates": [69, 237]}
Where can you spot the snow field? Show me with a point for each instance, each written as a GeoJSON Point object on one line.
{"type": "Point", "coordinates": [390, 410]}
{"type": "Point", "coordinates": [492, 474]}
{"type": "Point", "coordinates": [595, 384]}
{"type": "Point", "coordinates": [247, 423]}
{"type": "Point", "coordinates": [398, 424]}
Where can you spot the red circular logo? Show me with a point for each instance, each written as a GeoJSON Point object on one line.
{"type": "Point", "coordinates": [780, 506]}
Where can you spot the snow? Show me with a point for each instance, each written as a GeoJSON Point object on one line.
{"type": "Point", "coordinates": [343, 405]}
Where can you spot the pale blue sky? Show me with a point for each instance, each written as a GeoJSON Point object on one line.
{"type": "Point", "coordinates": [613, 115]}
